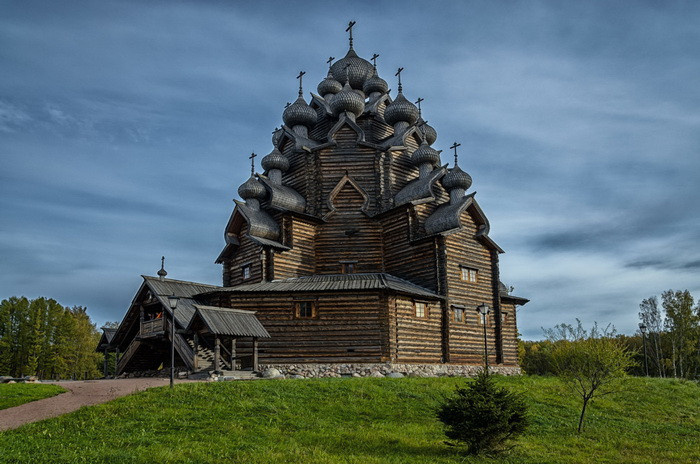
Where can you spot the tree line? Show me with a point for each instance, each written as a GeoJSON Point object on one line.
{"type": "Point", "coordinates": [43, 338]}
{"type": "Point", "coordinates": [672, 339]}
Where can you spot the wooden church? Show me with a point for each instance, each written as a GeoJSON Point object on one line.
{"type": "Point", "coordinates": [355, 244]}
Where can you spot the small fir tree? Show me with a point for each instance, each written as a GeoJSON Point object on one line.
{"type": "Point", "coordinates": [483, 416]}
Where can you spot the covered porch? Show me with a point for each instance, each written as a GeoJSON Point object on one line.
{"type": "Point", "coordinates": [219, 330]}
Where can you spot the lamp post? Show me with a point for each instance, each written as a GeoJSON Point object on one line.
{"type": "Point", "coordinates": [172, 302]}
{"type": "Point", "coordinates": [484, 310]}
{"type": "Point", "coordinates": [643, 330]}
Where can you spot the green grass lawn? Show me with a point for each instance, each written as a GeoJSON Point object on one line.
{"type": "Point", "coordinates": [14, 394]}
{"type": "Point", "coordinates": [358, 421]}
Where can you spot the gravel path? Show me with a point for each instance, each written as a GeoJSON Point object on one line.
{"type": "Point", "coordinates": [79, 394]}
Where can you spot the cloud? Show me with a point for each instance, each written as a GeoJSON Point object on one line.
{"type": "Point", "coordinates": [126, 127]}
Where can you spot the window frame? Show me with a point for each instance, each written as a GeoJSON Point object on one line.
{"type": "Point", "coordinates": [247, 269]}
{"type": "Point", "coordinates": [297, 309]}
{"type": "Point", "coordinates": [426, 309]}
{"type": "Point", "coordinates": [458, 310]}
{"type": "Point", "coordinates": [348, 267]}
{"type": "Point", "coordinates": [470, 271]}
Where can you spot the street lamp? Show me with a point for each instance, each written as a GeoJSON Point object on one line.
{"type": "Point", "coordinates": [172, 302]}
{"type": "Point", "coordinates": [484, 310]}
{"type": "Point", "coordinates": [643, 330]}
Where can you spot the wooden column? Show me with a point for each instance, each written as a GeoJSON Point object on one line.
{"type": "Point", "coordinates": [195, 361]}
{"type": "Point", "coordinates": [255, 353]}
{"type": "Point", "coordinates": [233, 353]}
{"type": "Point", "coordinates": [217, 352]}
{"type": "Point", "coordinates": [104, 364]}
{"type": "Point", "coordinates": [116, 361]}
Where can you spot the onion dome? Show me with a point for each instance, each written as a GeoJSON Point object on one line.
{"type": "Point", "coordinates": [401, 110]}
{"type": "Point", "coordinates": [429, 133]}
{"type": "Point", "coordinates": [275, 160]}
{"type": "Point", "coordinates": [329, 85]}
{"type": "Point", "coordinates": [425, 154]}
{"type": "Point", "coordinates": [252, 189]}
{"type": "Point", "coordinates": [347, 100]}
{"type": "Point", "coordinates": [358, 69]}
{"type": "Point", "coordinates": [375, 84]}
{"type": "Point", "coordinates": [299, 113]}
{"type": "Point", "coordinates": [456, 179]}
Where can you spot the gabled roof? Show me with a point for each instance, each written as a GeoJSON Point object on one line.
{"type": "Point", "coordinates": [447, 219]}
{"type": "Point", "coordinates": [282, 197]}
{"type": "Point", "coordinates": [228, 321]}
{"type": "Point", "coordinates": [336, 282]}
{"type": "Point", "coordinates": [420, 189]}
{"type": "Point", "coordinates": [186, 291]}
{"type": "Point", "coordinates": [106, 338]}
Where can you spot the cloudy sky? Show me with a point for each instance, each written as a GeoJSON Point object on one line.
{"type": "Point", "coordinates": [125, 129]}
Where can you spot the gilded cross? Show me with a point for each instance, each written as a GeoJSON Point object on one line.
{"type": "Point", "coordinates": [300, 76]}
{"type": "Point", "coordinates": [454, 147]}
{"type": "Point", "coordinates": [398, 73]}
{"type": "Point", "coordinates": [349, 29]}
{"type": "Point", "coordinates": [252, 163]}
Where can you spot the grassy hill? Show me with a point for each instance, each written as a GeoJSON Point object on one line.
{"type": "Point", "coordinates": [14, 394]}
{"type": "Point", "coordinates": [358, 421]}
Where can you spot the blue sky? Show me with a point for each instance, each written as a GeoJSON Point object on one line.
{"type": "Point", "coordinates": [125, 129]}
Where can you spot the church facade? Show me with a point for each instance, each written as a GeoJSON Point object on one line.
{"type": "Point", "coordinates": [353, 245]}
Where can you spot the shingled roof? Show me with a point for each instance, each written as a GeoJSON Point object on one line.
{"type": "Point", "coordinates": [162, 289]}
{"type": "Point", "coordinates": [228, 321]}
{"type": "Point", "coordinates": [336, 282]}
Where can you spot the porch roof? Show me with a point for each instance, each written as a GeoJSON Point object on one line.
{"type": "Point", "coordinates": [228, 321]}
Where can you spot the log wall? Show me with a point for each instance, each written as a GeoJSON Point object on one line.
{"type": "Point", "coordinates": [248, 252]}
{"type": "Point", "coordinates": [417, 339]}
{"type": "Point", "coordinates": [466, 338]}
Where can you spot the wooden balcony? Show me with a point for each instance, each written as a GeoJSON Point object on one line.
{"type": "Point", "coordinates": [152, 327]}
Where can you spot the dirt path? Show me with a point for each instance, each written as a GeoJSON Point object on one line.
{"type": "Point", "coordinates": [80, 393]}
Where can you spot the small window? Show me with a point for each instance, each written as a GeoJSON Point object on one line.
{"type": "Point", "coordinates": [469, 274]}
{"type": "Point", "coordinates": [504, 318]}
{"type": "Point", "coordinates": [347, 267]}
{"type": "Point", "coordinates": [459, 315]}
{"type": "Point", "coordinates": [246, 272]}
{"type": "Point", "coordinates": [421, 309]}
{"type": "Point", "coordinates": [305, 309]}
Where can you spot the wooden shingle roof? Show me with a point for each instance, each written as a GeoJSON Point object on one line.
{"type": "Point", "coordinates": [336, 282]}
{"type": "Point", "coordinates": [228, 321]}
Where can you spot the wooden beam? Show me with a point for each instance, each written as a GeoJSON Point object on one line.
{"type": "Point", "coordinates": [255, 353]}
{"type": "Point", "coordinates": [196, 352]}
{"type": "Point", "coordinates": [233, 353]}
{"type": "Point", "coordinates": [217, 352]}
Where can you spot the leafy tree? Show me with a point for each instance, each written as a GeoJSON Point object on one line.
{"type": "Point", "coordinates": [483, 416]}
{"type": "Point", "coordinates": [650, 315]}
{"type": "Point", "coordinates": [591, 364]}
{"type": "Point", "coordinates": [683, 326]}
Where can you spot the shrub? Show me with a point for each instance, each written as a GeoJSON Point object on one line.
{"type": "Point", "coordinates": [483, 416]}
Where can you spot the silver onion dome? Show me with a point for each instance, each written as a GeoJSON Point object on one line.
{"type": "Point", "coordinates": [329, 85]}
{"type": "Point", "coordinates": [299, 113]}
{"type": "Point", "coordinates": [275, 160]}
{"type": "Point", "coordinates": [425, 154]}
{"type": "Point", "coordinates": [359, 69]}
{"type": "Point", "coordinates": [252, 189]}
{"type": "Point", "coordinates": [401, 110]}
{"type": "Point", "coordinates": [375, 84]}
{"type": "Point", "coordinates": [429, 133]}
{"type": "Point", "coordinates": [456, 179]}
{"type": "Point", "coordinates": [347, 100]}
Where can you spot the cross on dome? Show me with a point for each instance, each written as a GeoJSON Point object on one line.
{"type": "Point", "coordinates": [300, 76]}
{"type": "Point", "coordinates": [418, 103]}
{"type": "Point", "coordinates": [252, 163]}
{"type": "Point", "coordinates": [398, 73]}
{"type": "Point", "coordinates": [349, 29]}
{"type": "Point", "coordinates": [454, 147]}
